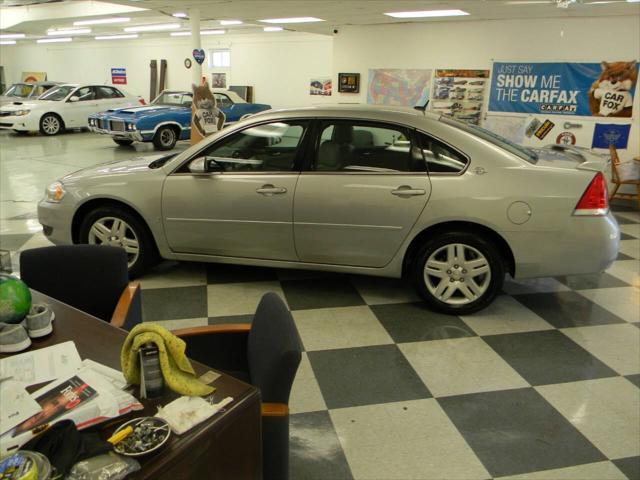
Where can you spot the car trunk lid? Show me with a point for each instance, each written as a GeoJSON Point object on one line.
{"type": "Point", "coordinates": [571, 158]}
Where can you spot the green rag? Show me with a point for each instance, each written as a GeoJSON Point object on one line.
{"type": "Point", "coordinates": [177, 371]}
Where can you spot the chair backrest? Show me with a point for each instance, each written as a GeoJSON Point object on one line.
{"type": "Point", "coordinates": [273, 349]}
{"type": "Point", "coordinates": [90, 278]}
{"type": "Point", "coordinates": [615, 161]}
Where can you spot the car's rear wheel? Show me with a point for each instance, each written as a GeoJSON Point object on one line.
{"type": "Point", "coordinates": [458, 272]}
{"type": "Point", "coordinates": [117, 227]}
{"type": "Point", "coordinates": [165, 138]}
{"type": "Point", "coordinates": [51, 124]}
{"type": "Point", "coordinates": [123, 141]}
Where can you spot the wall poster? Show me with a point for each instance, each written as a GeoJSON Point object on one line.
{"type": "Point", "coordinates": [398, 87]}
{"type": "Point", "coordinates": [460, 93]}
{"type": "Point", "coordinates": [32, 77]}
{"type": "Point", "coordinates": [218, 80]}
{"type": "Point", "coordinates": [349, 82]}
{"type": "Point", "coordinates": [585, 89]}
{"type": "Point", "coordinates": [320, 86]}
{"type": "Point", "coordinates": [118, 76]}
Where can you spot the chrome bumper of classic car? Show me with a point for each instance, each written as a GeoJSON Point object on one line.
{"type": "Point", "coordinates": [130, 135]}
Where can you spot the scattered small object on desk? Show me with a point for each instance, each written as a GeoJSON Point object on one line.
{"type": "Point", "coordinates": [184, 413]}
{"type": "Point", "coordinates": [148, 435]}
{"type": "Point", "coordinates": [25, 465]}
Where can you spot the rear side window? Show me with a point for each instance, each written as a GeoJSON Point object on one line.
{"type": "Point", "coordinates": [108, 92]}
{"type": "Point", "coordinates": [440, 157]}
{"type": "Point", "coordinates": [352, 146]}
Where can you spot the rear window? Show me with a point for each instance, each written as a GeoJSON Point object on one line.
{"type": "Point", "coordinates": [523, 152]}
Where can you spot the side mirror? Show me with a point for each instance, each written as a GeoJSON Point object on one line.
{"type": "Point", "coordinates": [204, 165]}
{"type": "Point", "coordinates": [75, 98]}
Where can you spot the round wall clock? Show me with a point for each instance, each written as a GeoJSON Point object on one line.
{"type": "Point", "coordinates": [187, 62]}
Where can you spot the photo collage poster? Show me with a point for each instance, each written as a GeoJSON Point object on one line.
{"type": "Point", "coordinates": [460, 93]}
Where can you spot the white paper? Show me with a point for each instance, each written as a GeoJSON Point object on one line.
{"type": "Point", "coordinates": [113, 376]}
{"type": "Point", "coordinates": [17, 404]}
{"type": "Point", "coordinates": [42, 365]}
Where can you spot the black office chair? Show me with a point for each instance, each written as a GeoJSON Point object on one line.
{"type": "Point", "coordinates": [91, 278]}
{"type": "Point", "coordinates": [265, 353]}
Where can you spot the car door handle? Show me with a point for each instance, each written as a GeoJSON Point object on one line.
{"type": "Point", "coordinates": [268, 190]}
{"type": "Point", "coordinates": [407, 191]}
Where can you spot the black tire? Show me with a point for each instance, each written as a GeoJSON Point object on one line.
{"type": "Point", "coordinates": [472, 245]}
{"type": "Point", "coordinates": [123, 141]}
{"type": "Point", "coordinates": [165, 138]}
{"type": "Point", "coordinates": [147, 255]}
{"type": "Point", "coordinates": [48, 123]}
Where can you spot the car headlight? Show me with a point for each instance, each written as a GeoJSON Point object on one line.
{"type": "Point", "coordinates": [92, 122]}
{"type": "Point", "coordinates": [54, 192]}
{"type": "Point", "coordinates": [131, 126]}
{"type": "Point", "coordinates": [20, 113]}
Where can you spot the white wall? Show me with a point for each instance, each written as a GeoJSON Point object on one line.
{"type": "Point", "coordinates": [477, 44]}
{"type": "Point", "coordinates": [278, 65]}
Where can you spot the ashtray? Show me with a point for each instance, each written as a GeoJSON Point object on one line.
{"type": "Point", "coordinates": [148, 435]}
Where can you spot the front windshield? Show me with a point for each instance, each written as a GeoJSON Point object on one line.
{"type": "Point", "coordinates": [57, 93]}
{"type": "Point", "coordinates": [21, 90]}
{"type": "Point", "coordinates": [174, 99]}
{"type": "Point", "coordinates": [523, 152]}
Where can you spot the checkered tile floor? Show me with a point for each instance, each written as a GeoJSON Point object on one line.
{"type": "Point", "coordinates": [544, 384]}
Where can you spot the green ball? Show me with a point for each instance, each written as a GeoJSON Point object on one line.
{"type": "Point", "coordinates": [15, 299]}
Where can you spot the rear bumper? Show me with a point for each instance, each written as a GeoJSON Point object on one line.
{"type": "Point", "coordinates": [587, 245]}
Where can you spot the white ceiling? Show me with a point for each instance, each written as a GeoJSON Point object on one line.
{"type": "Point", "coordinates": [336, 13]}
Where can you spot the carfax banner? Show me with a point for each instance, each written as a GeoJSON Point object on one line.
{"type": "Point", "coordinates": [585, 89]}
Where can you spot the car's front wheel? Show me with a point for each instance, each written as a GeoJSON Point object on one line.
{"type": "Point", "coordinates": [117, 227]}
{"type": "Point", "coordinates": [123, 141]}
{"type": "Point", "coordinates": [458, 272]}
{"type": "Point", "coordinates": [51, 124]}
{"type": "Point", "coordinates": [165, 138]}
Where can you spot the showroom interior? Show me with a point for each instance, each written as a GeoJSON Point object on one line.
{"type": "Point", "coordinates": [342, 239]}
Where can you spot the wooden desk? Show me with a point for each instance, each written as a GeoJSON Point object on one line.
{"type": "Point", "coordinates": [227, 446]}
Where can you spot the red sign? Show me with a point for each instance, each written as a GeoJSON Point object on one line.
{"type": "Point", "coordinates": [119, 76]}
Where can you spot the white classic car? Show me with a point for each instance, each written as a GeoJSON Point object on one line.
{"type": "Point", "coordinates": [65, 106]}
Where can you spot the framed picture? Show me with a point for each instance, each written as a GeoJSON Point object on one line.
{"type": "Point", "coordinates": [218, 80]}
{"type": "Point", "coordinates": [349, 82]}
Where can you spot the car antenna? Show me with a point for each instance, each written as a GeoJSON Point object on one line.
{"type": "Point", "coordinates": [422, 108]}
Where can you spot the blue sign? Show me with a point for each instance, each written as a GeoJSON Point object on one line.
{"type": "Point", "coordinates": [611, 134]}
{"type": "Point", "coordinates": [198, 55]}
{"type": "Point", "coordinates": [586, 89]}
{"type": "Point", "coordinates": [119, 76]}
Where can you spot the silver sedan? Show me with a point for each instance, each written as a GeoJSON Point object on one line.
{"type": "Point", "coordinates": [379, 191]}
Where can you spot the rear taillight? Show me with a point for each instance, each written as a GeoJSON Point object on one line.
{"type": "Point", "coordinates": [141, 100]}
{"type": "Point", "coordinates": [595, 199]}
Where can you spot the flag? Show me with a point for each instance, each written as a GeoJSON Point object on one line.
{"type": "Point", "coordinates": [615, 134]}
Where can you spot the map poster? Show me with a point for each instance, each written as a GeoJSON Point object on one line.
{"type": "Point", "coordinates": [460, 93]}
{"type": "Point", "coordinates": [398, 87]}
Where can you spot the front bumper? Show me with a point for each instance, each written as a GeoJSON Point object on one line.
{"type": "Point", "coordinates": [56, 219]}
{"type": "Point", "coordinates": [134, 135]}
{"type": "Point", "coordinates": [22, 123]}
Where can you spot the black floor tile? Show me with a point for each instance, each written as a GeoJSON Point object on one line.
{"type": "Point", "coordinates": [635, 379]}
{"type": "Point", "coordinates": [351, 377]}
{"type": "Point", "coordinates": [231, 319]}
{"type": "Point", "coordinates": [585, 282]}
{"type": "Point", "coordinates": [310, 434]}
{"type": "Point", "coordinates": [547, 357]}
{"type": "Point", "coordinates": [311, 293]}
{"type": "Point", "coordinates": [13, 241]}
{"type": "Point", "coordinates": [567, 309]}
{"type": "Point", "coordinates": [414, 322]}
{"type": "Point", "coordinates": [222, 273]}
{"type": "Point", "coordinates": [630, 467]}
{"type": "Point", "coordinates": [624, 221]}
{"type": "Point", "coordinates": [626, 236]}
{"type": "Point", "coordinates": [518, 431]}
{"type": "Point", "coordinates": [174, 303]}
{"type": "Point", "coordinates": [622, 256]}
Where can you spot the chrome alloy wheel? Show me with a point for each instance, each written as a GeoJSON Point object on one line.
{"type": "Point", "coordinates": [115, 232]}
{"type": "Point", "coordinates": [457, 274]}
{"type": "Point", "coordinates": [167, 137]}
{"type": "Point", "coordinates": [50, 124]}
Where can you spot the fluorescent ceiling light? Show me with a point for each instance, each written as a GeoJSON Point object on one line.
{"type": "Point", "coordinates": [7, 42]}
{"type": "Point", "coordinates": [101, 21]}
{"type": "Point", "coordinates": [69, 31]}
{"type": "Point", "coordinates": [427, 13]}
{"type": "Point", "coordinates": [633, 1]}
{"type": "Point", "coordinates": [54, 40]}
{"type": "Point", "coordinates": [202, 32]}
{"type": "Point", "coordinates": [272, 29]}
{"type": "Point", "coordinates": [11, 35]}
{"type": "Point", "coordinates": [230, 22]}
{"type": "Point", "coordinates": [179, 15]}
{"type": "Point", "coordinates": [292, 20]}
{"type": "Point", "coordinates": [153, 28]}
{"type": "Point", "coordinates": [116, 37]}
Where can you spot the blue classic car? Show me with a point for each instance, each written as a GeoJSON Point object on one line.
{"type": "Point", "coordinates": [167, 119]}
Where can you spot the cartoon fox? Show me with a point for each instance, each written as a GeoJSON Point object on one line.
{"type": "Point", "coordinates": [610, 95]}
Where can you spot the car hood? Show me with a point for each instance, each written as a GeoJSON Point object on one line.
{"type": "Point", "coordinates": [145, 110]}
{"type": "Point", "coordinates": [119, 167]}
{"type": "Point", "coordinates": [26, 105]}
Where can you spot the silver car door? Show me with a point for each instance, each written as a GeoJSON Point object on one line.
{"type": "Point", "coordinates": [246, 209]}
{"type": "Point", "coordinates": [363, 192]}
